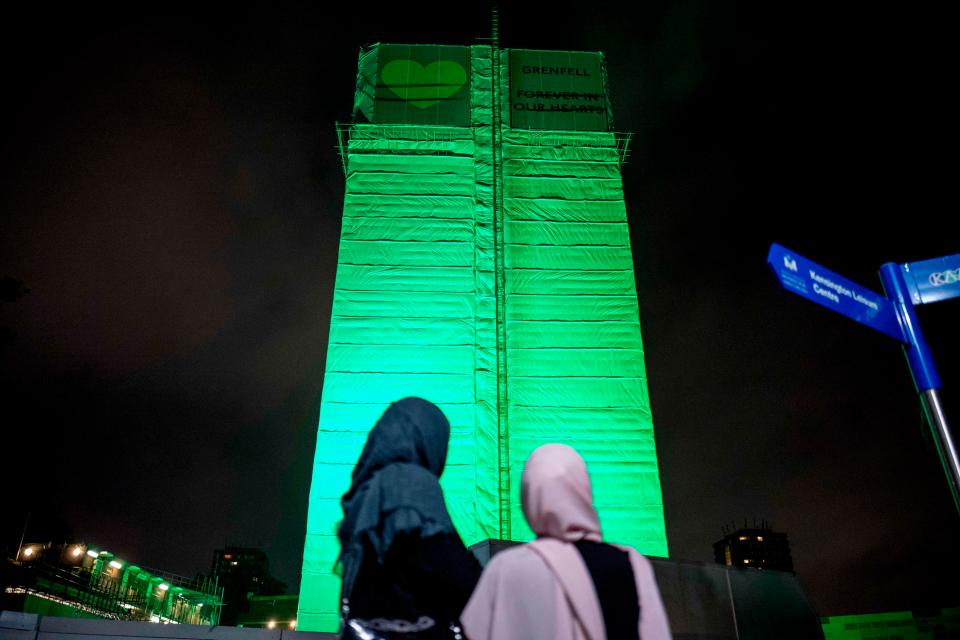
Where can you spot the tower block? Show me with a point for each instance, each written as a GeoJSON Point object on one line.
{"type": "Point", "coordinates": [485, 265]}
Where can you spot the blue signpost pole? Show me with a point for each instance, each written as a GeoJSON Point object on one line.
{"type": "Point", "coordinates": [906, 285]}
{"type": "Point", "coordinates": [923, 371]}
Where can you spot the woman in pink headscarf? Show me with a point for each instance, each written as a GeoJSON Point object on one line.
{"type": "Point", "coordinates": [567, 584]}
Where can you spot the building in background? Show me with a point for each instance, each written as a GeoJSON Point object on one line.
{"type": "Point", "coordinates": [81, 581]}
{"type": "Point", "coordinates": [758, 548]}
{"type": "Point", "coordinates": [270, 612]}
{"type": "Point", "coordinates": [242, 573]}
{"type": "Point", "coordinates": [485, 265]}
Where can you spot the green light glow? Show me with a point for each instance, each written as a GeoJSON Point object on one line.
{"type": "Point", "coordinates": [415, 313]}
{"type": "Point", "coordinates": [908, 625]}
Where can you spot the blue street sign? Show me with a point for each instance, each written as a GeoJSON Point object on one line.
{"type": "Point", "coordinates": [906, 285]}
{"type": "Point", "coordinates": [819, 284]}
{"type": "Point", "coordinates": [933, 280]}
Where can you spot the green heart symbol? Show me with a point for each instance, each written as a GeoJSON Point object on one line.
{"type": "Point", "coordinates": [423, 86]}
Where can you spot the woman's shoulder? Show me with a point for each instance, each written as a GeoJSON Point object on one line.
{"type": "Point", "coordinates": [517, 560]}
{"type": "Point", "coordinates": [516, 572]}
{"type": "Point", "coordinates": [406, 471]}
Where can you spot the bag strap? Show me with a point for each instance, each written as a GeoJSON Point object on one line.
{"type": "Point", "coordinates": [616, 586]}
{"type": "Point", "coordinates": [571, 572]}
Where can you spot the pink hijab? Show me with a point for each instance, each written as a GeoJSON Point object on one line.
{"type": "Point", "coordinates": [558, 504]}
{"type": "Point", "coordinates": [556, 496]}
{"type": "Point", "coordinates": [516, 591]}
{"type": "Point", "coordinates": [512, 598]}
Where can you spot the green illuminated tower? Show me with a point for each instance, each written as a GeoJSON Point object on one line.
{"type": "Point", "coordinates": [485, 265]}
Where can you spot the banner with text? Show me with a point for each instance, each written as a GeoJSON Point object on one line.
{"type": "Point", "coordinates": [557, 90]}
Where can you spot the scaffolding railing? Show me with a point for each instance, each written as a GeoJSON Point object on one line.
{"type": "Point", "coordinates": [127, 593]}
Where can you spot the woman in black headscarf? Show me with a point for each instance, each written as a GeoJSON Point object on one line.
{"type": "Point", "coordinates": [404, 567]}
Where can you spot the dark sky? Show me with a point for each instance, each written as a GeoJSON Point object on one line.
{"type": "Point", "coordinates": [171, 197]}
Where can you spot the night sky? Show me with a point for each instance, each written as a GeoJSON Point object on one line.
{"type": "Point", "coordinates": [171, 197]}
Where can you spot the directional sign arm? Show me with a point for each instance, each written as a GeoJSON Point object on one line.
{"type": "Point", "coordinates": [932, 280]}
{"type": "Point", "coordinates": [831, 290]}
{"type": "Point", "coordinates": [907, 285]}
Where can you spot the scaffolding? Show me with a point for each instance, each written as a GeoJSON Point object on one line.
{"type": "Point", "coordinates": [484, 264]}
{"type": "Point", "coordinates": [76, 580]}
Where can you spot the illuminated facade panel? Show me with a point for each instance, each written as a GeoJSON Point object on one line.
{"type": "Point", "coordinates": [485, 265]}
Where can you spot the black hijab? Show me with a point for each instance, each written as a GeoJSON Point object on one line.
{"type": "Point", "coordinates": [395, 486]}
